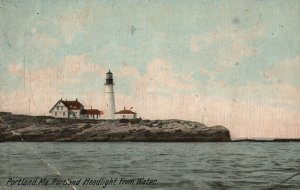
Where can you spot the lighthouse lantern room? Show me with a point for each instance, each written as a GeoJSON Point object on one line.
{"type": "Point", "coordinates": [110, 107]}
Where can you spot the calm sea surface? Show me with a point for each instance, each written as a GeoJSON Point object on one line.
{"type": "Point", "coordinates": [238, 165]}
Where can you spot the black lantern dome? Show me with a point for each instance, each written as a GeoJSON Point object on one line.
{"type": "Point", "coordinates": [109, 78]}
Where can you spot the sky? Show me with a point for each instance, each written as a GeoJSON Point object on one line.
{"type": "Point", "coordinates": [230, 63]}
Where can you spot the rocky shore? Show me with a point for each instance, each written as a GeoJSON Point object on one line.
{"type": "Point", "coordinates": [45, 128]}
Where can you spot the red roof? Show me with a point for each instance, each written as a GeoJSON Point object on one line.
{"type": "Point", "coordinates": [72, 105]}
{"type": "Point", "coordinates": [92, 112]}
{"type": "Point", "coordinates": [125, 112]}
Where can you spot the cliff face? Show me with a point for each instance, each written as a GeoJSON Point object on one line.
{"type": "Point", "coordinates": [41, 128]}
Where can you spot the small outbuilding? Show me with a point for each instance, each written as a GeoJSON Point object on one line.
{"type": "Point", "coordinates": [125, 114]}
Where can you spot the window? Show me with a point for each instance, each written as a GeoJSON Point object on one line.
{"type": "Point", "coordinates": [57, 107]}
{"type": "Point", "coordinates": [55, 114]}
{"type": "Point", "coordinates": [62, 107]}
{"type": "Point", "coordinates": [63, 113]}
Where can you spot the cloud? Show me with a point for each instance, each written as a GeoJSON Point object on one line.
{"type": "Point", "coordinates": [194, 44]}
{"type": "Point", "coordinates": [33, 49]}
{"type": "Point", "coordinates": [274, 91]}
{"type": "Point", "coordinates": [42, 39]}
{"type": "Point", "coordinates": [236, 44]}
{"type": "Point", "coordinates": [281, 95]}
{"type": "Point", "coordinates": [161, 79]}
{"type": "Point", "coordinates": [75, 65]}
{"type": "Point", "coordinates": [61, 74]}
{"type": "Point", "coordinates": [283, 83]}
{"type": "Point", "coordinates": [287, 71]}
{"type": "Point", "coordinates": [74, 22]}
{"type": "Point", "coordinates": [207, 73]}
{"type": "Point", "coordinates": [15, 69]}
{"type": "Point", "coordinates": [127, 70]}
{"type": "Point", "coordinates": [287, 95]}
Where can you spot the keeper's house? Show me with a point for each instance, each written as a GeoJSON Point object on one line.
{"type": "Point", "coordinates": [73, 109]}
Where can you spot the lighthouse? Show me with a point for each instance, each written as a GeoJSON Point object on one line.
{"type": "Point", "coordinates": [110, 107]}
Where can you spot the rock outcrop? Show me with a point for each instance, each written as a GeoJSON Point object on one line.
{"type": "Point", "coordinates": [44, 128]}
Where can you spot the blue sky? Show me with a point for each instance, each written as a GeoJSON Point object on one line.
{"type": "Point", "coordinates": [245, 52]}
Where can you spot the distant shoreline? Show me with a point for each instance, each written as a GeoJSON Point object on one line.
{"type": "Point", "coordinates": [267, 140]}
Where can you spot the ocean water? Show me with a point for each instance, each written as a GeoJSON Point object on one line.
{"type": "Point", "coordinates": [224, 166]}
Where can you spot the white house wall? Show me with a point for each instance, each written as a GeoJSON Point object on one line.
{"type": "Point", "coordinates": [74, 113]}
{"type": "Point", "coordinates": [61, 111]}
{"type": "Point", "coordinates": [110, 107]}
{"type": "Point", "coordinates": [90, 116]}
{"type": "Point", "coordinates": [126, 116]}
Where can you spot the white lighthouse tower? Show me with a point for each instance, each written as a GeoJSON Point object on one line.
{"type": "Point", "coordinates": [110, 107]}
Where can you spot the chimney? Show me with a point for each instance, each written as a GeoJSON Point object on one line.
{"type": "Point", "coordinates": [91, 106]}
{"type": "Point", "coordinates": [61, 99]}
{"type": "Point", "coordinates": [76, 100]}
{"type": "Point", "coordinates": [124, 108]}
{"type": "Point", "coordinates": [66, 100]}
